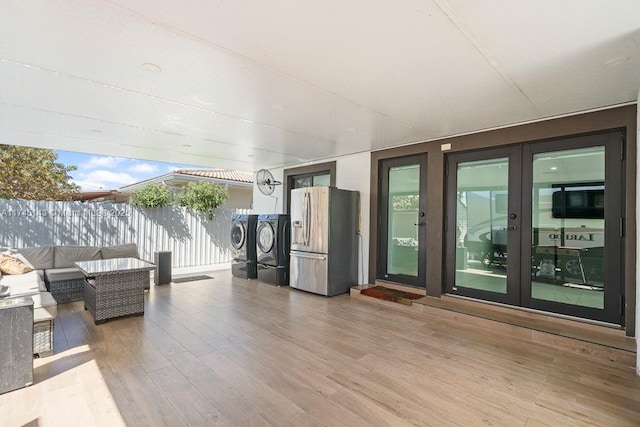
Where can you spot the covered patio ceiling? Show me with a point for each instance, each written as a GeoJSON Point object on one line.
{"type": "Point", "coordinates": [251, 84]}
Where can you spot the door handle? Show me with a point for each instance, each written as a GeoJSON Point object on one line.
{"type": "Point", "coordinates": [308, 236]}
{"type": "Point", "coordinates": [305, 220]}
{"type": "Point", "coordinates": [419, 223]}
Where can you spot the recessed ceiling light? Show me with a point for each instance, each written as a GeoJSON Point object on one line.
{"type": "Point", "coordinates": [554, 168]}
{"type": "Point", "coordinates": [186, 145]}
{"type": "Point", "coordinates": [148, 66]}
{"type": "Point", "coordinates": [251, 155]}
{"type": "Point", "coordinates": [96, 130]}
{"type": "Point", "coordinates": [615, 61]}
{"type": "Point", "coordinates": [278, 107]}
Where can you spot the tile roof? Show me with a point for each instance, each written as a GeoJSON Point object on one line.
{"type": "Point", "coordinates": [226, 175]}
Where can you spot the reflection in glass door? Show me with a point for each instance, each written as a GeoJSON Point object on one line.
{"type": "Point", "coordinates": [568, 227]}
{"type": "Point", "coordinates": [539, 226]}
{"type": "Point", "coordinates": [481, 222]}
{"type": "Point", "coordinates": [574, 227]}
{"type": "Point", "coordinates": [402, 252]}
{"type": "Point", "coordinates": [484, 221]}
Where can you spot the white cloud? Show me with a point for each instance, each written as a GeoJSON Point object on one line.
{"type": "Point", "coordinates": [103, 180]}
{"type": "Point", "coordinates": [105, 173]}
{"type": "Point", "coordinates": [101, 162]}
{"type": "Point", "coordinates": [116, 177]}
{"type": "Point", "coordinates": [143, 168]}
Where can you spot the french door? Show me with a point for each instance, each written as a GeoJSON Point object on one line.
{"type": "Point", "coordinates": [483, 222]}
{"type": "Point", "coordinates": [539, 226]}
{"type": "Point", "coordinates": [402, 250]}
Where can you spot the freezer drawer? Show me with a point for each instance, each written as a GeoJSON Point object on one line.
{"type": "Point", "coordinates": [309, 272]}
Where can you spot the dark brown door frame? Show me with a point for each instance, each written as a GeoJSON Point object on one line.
{"type": "Point", "coordinates": [292, 173]}
{"type": "Point", "coordinates": [520, 242]}
{"type": "Point", "coordinates": [613, 311]}
{"type": "Point", "coordinates": [624, 117]}
{"type": "Point", "coordinates": [513, 154]}
{"type": "Point", "coordinates": [382, 273]}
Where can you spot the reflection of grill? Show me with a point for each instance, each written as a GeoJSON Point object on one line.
{"type": "Point", "coordinates": [557, 250]}
{"type": "Point", "coordinates": [574, 265]}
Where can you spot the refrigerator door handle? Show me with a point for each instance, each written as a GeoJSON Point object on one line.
{"type": "Point", "coordinates": [304, 220]}
{"type": "Point", "coordinates": [308, 195]}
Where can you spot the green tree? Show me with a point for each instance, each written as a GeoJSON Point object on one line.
{"type": "Point", "coordinates": [33, 174]}
{"type": "Point", "coordinates": [406, 202]}
{"type": "Point", "coordinates": [203, 196]}
{"type": "Point", "coordinates": [152, 196]}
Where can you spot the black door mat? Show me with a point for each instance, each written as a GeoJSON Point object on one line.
{"type": "Point", "coordinates": [190, 279]}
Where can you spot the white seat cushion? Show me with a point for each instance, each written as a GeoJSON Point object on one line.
{"type": "Point", "coordinates": [24, 284]}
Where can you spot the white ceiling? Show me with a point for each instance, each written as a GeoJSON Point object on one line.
{"type": "Point", "coordinates": [248, 84]}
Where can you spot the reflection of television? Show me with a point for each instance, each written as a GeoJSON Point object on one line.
{"type": "Point", "coordinates": [574, 203]}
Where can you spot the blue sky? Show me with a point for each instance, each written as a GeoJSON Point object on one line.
{"type": "Point", "coordinates": [97, 172]}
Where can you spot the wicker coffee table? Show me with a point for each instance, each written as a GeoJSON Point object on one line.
{"type": "Point", "coordinates": [115, 287]}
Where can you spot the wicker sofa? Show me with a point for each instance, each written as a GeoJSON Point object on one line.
{"type": "Point", "coordinates": [55, 280]}
{"type": "Point", "coordinates": [62, 277]}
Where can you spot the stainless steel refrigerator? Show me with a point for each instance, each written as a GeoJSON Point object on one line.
{"type": "Point", "coordinates": [324, 240]}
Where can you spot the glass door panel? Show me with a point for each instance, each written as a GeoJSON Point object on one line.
{"type": "Point", "coordinates": [322, 180]}
{"type": "Point", "coordinates": [481, 225]}
{"type": "Point", "coordinates": [312, 180]}
{"type": "Point", "coordinates": [402, 254]}
{"type": "Point", "coordinates": [402, 210]}
{"type": "Point", "coordinates": [565, 254]}
{"type": "Point", "coordinates": [568, 227]}
{"type": "Point", "coordinates": [302, 181]}
{"type": "Point", "coordinates": [483, 251]}
{"type": "Point", "coordinates": [573, 230]}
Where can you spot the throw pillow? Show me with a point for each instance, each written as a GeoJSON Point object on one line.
{"type": "Point", "coordinates": [11, 265]}
{"type": "Point", "coordinates": [22, 259]}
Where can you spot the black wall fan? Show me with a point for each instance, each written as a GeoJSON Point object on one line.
{"type": "Point", "coordinates": [265, 181]}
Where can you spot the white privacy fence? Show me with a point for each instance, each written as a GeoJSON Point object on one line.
{"type": "Point", "coordinates": [192, 237]}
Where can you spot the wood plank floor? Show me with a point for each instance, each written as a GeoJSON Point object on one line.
{"type": "Point", "coordinates": [613, 337]}
{"type": "Point", "coordinates": [234, 352]}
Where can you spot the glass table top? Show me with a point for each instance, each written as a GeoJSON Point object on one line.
{"type": "Point", "coordinates": [115, 264]}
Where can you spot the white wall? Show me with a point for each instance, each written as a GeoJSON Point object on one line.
{"type": "Point", "coordinates": [353, 172]}
{"type": "Point", "coordinates": [271, 204]}
{"type": "Point", "coordinates": [239, 198]}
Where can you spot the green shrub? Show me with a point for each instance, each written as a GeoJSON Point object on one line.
{"type": "Point", "coordinates": [203, 196]}
{"type": "Point", "coordinates": [152, 196]}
